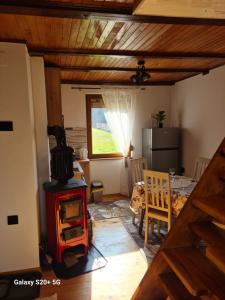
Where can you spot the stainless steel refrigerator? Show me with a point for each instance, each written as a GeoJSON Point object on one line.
{"type": "Point", "coordinates": [161, 147]}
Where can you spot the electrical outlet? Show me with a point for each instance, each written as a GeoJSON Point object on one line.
{"type": "Point", "coordinates": [6, 126]}
{"type": "Point", "coordinates": [13, 220]}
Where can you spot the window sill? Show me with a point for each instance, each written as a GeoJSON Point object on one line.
{"type": "Point", "coordinates": [107, 158]}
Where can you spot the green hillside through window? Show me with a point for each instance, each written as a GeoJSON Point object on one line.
{"type": "Point", "coordinates": [102, 142]}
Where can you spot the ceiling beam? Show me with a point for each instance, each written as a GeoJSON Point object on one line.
{"type": "Point", "coordinates": [128, 83]}
{"type": "Point", "coordinates": [64, 9]}
{"type": "Point", "coordinates": [124, 53]}
{"type": "Point", "coordinates": [120, 69]}
{"type": "Point", "coordinates": [74, 11]}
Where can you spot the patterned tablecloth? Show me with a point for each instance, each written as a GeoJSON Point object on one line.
{"type": "Point", "coordinates": [181, 188]}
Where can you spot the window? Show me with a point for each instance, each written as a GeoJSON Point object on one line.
{"type": "Point", "coordinates": [100, 140]}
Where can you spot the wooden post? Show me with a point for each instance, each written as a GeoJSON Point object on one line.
{"type": "Point", "coordinates": [53, 93]}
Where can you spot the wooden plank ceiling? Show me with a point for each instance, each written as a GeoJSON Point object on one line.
{"type": "Point", "coordinates": [184, 8]}
{"type": "Point", "coordinates": [100, 42]}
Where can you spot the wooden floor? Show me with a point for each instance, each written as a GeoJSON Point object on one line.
{"type": "Point", "coordinates": [118, 280]}
{"type": "Point", "coordinates": [114, 197]}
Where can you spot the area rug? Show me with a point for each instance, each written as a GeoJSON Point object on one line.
{"type": "Point", "coordinates": [93, 261]}
{"type": "Point", "coordinates": [21, 286]}
{"type": "Point", "coordinates": [108, 210]}
{"type": "Point", "coordinates": [120, 209]}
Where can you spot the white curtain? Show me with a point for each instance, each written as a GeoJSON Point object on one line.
{"type": "Point", "coordinates": [120, 112]}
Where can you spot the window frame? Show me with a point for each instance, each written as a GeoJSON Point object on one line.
{"type": "Point", "coordinates": [89, 100]}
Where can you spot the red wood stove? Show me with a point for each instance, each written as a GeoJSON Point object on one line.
{"type": "Point", "coordinates": [66, 217]}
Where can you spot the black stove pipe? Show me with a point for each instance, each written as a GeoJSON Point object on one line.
{"type": "Point", "coordinates": [61, 156]}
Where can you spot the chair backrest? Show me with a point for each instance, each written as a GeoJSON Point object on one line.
{"type": "Point", "coordinates": [157, 190]}
{"type": "Point", "coordinates": [201, 164]}
{"type": "Point", "coordinates": [137, 165]}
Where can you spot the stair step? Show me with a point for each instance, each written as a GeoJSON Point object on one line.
{"type": "Point", "coordinates": [210, 233]}
{"type": "Point", "coordinates": [221, 173]}
{"type": "Point", "coordinates": [174, 288]}
{"type": "Point", "coordinates": [215, 239]}
{"type": "Point", "coordinates": [209, 298]}
{"type": "Point", "coordinates": [217, 256]}
{"type": "Point", "coordinates": [196, 272]}
{"type": "Point", "coordinates": [222, 152]}
{"type": "Point", "coordinates": [213, 206]}
{"type": "Point", "coordinates": [220, 225]}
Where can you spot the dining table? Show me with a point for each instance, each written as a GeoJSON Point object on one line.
{"type": "Point", "coordinates": [180, 189]}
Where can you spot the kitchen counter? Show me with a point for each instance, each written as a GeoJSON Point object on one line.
{"type": "Point", "coordinates": [78, 171]}
{"type": "Point", "coordinates": [81, 170]}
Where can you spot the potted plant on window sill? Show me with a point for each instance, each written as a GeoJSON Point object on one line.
{"type": "Point", "coordinates": [160, 117]}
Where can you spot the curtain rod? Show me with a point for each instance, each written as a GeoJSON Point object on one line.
{"type": "Point", "coordinates": [84, 88]}
{"type": "Point", "coordinates": [95, 88]}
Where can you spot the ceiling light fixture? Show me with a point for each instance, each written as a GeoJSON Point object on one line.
{"type": "Point", "coordinates": [141, 74]}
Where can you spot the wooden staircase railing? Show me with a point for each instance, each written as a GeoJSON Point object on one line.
{"type": "Point", "coordinates": [190, 264]}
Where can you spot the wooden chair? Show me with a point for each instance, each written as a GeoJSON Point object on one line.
{"type": "Point", "coordinates": [157, 199]}
{"type": "Point", "coordinates": [137, 165]}
{"type": "Point", "coordinates": [201, 164]}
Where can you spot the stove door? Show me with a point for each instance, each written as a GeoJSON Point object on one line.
{"type": "Point", "coordinates": [71, 210]}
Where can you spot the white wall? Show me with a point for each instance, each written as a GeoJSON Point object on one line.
{"type": "Point", "coordinates": [198, 106]}
{"type": "Point", "coordinates": [108, 171]}
{"type": "Point", "coordinates": [150, 100]}
{"type": "Point", "coordinates": [18, 178]}
{"type": "Point", "coordinates": [42, 144]}
{"type": "Point", "coordinates": [73, 106]}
